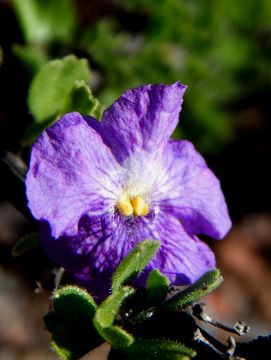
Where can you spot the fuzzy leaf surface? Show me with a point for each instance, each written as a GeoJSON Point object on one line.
{"type": "Point", "coordinates": [156, 349]}
{"type": "Point", "coordinates": [135, 262]}
{"type": "Point", "coordinates": [105, 317]}
{"type": "Point", "coordinates": [203, 286]}
{"type": "Point", "coordinates": [70, 322]}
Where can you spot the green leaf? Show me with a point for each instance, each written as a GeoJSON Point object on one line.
{"type": "Point", "coordinates": [25, 244]}
{"type": "Point", "coordinates": [70, 322]}
{"type": "Point", "coordinates": [157, 349]}
{"type": "Point", "coordinates": [81, 99]}
{"type": "Point", "coordinates": [43, 21]}
{"type": "Point", "coordinates": [73, 300]}
{"type": "Point", "coordinates": [208, 282]}
{"type": "Point", "coordinates": [134, 263]}
{"type": "Point", "coordinates": [106, 314]}
{"type": "Point", "coordinates": [51, 87]}
{"type": "Point", "coordinates": [156, 287]}
{"type": "Point", "coordinates": [116, 336]}
{"type": "Point", "coordinates": [107, 311]}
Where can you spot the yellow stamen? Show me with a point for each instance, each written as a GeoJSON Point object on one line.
{"type": "Point", "coordinates": [124, 205]}
{"type": "Point", "coordinates": [132, 206]}
{"type": "Point", "coordinates": [139, 206]}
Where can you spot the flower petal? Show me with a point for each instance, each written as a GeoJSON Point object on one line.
{"type": "Point", "coordinates": [142, 118]}
{"type": "Point", "coordinates": [182, 257]}
{"type": "Point", "coordinates": [192, 192]}
{"type": "Point", "coordinates": [92, 255]}
{"type": "Point", "coordinates": [103, 241]}
{"type": "Point", "coordinates": [71, 172]}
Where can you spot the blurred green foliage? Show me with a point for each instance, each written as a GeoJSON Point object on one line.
{"type": "Point", "coordinates": [216, 47]}
{"type": "Point", "coordinates": [45, 20]}
{"type": "Point", "coordinates": [220, 48]}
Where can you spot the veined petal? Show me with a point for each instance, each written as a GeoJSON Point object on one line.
{"type": "Point", "coordinates": [192, 192]}
{"type": "Point", "coordinates": [142, 118]}
{"type": "Point", "coordinates": [94, 252]}
{"type": "Point", "coordinates": [182, 257]}
{"type": "Point", "coordinates": [71, 172]}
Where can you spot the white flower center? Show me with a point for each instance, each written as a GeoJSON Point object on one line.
{"type": "Point", "coordinates": [142, 175]}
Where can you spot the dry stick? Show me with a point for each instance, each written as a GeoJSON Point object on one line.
{"type": "Point", "coordinates": [240, 327]}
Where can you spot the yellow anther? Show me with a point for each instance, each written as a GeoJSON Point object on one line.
{"type": "Point", "coordinates": [139, 206]}
{"type": "Point", "coordinates": [124, 205]}
{"type": "Point", "coordinates": [132, 206]}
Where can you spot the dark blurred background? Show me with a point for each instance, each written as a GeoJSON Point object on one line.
{"type": "Point", "coordinates": [221, 49]}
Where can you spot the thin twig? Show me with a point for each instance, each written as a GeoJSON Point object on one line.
{"type": "Point", "coordinates": [240, 328]}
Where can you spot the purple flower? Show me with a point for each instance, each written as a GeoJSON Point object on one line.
{"type": "Point", "coordinates": [101, 187]}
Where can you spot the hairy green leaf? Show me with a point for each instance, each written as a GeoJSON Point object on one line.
{"type": "Point", "coordinates": [107, 310]}
{"type": "Point", "coordinates": [73, 300]}
{"type": "Point", "coordinates": [70, 322]}
{"type": "Point", "coordinates": [156, 349]}
{"type": "Point", "coordinates": [116, 336]}
{"type": "Point", "coordinates": [134, 263]}
{"type": "Point", "coordinates": [106, 314]}
{"type": "Point", "coordinates": [208, 282]}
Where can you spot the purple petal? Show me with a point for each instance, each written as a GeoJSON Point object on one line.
{"type": "Point", "coordinates": [142, 118]}
{"type": "Point", "coordinates": [103, 241]}
{"type": "Point", "coordinates": [71, 172]}
{"type": "Point", "coordinates": [182, 257]}
{"type": "Point", "coordinates": [192, 192]}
